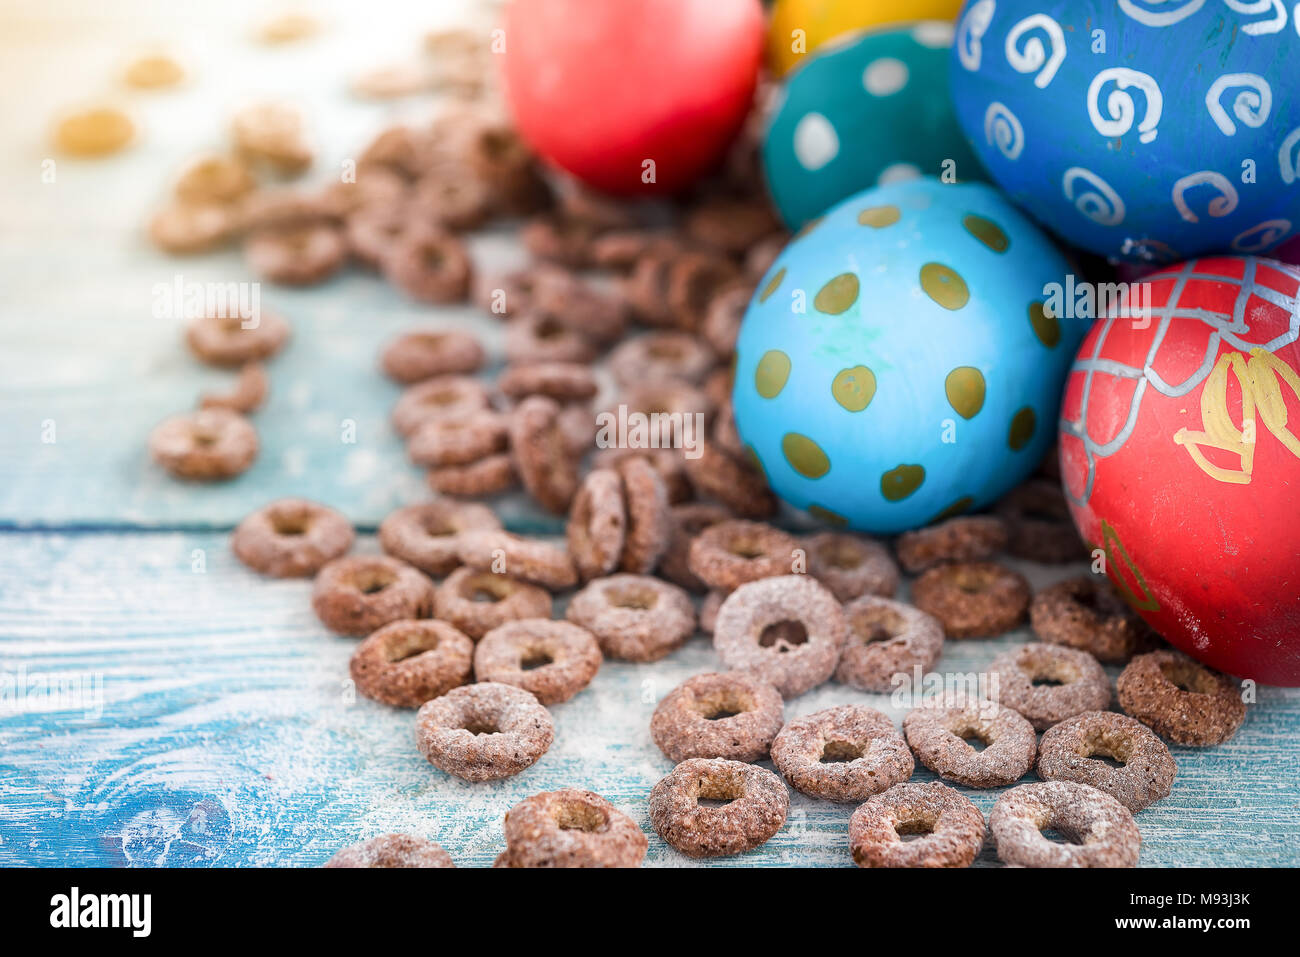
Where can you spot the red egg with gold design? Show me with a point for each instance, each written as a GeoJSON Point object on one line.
{"type": "Point", "coordinates": [1180, 454]}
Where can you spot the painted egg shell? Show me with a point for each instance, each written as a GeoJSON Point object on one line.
{"type": "Point", "coordinates": [798, 27]}
{"type": "Point", "coordinates": [1180, 457]}
{"type": "Point", "coordinates": [1149, 130]}
{"type": "Point", "coordinates": [897, 364]}
{"type": "Point", "coordinates": [873, 109]}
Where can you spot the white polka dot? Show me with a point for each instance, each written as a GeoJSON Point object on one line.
{"type": "Point", "coordinates": [937, 34]}
{"type": "Point", "coordinates": [815, 142]}
{"type": "Point", "coordinates": [885, 77]}
{"type": "Point", "coordinates": [898, 173]}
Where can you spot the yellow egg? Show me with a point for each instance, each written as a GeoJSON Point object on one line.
{"type": "Point", "coordinates": [799, 27]}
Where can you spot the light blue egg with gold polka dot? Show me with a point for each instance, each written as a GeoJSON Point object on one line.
{"type": "Point", "coordinates": [901, 361]}
{"type": "Point", "coordinates": [870, 108]}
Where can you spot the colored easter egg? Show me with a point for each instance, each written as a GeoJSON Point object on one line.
{"type": "Point", "coordinates": [638, 96]}
{"type": "Point", "coordinates": [921, 370]}
{"type": "Point", "coordinates": [799, 27]}
{"type": "Point", "coordinates": [1147, 130]}
{"type": "Point", "coordinates": [1180, 455]}
{"type": "Point", "coordinates": [873, 108]}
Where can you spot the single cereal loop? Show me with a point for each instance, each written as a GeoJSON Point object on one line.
{"type": "Point", "coordinates": [423, 354]}
{"type": "Point", "coordinates": [951, 828]}
{"type": "Point", "coordinates": [1079, 683]}
{"type": "Point", "coordinates": [1101, 831]}
{"type": "Point", "coordinates": [426, 535]}
{"type": "Point", "coordinates": [477, 602]}
{"type": "Point", "coordinates": [183, 229]}
{"type": "Point", "coordinates": [970, 538]}
{"type": "Point", "coordinates": [561, 381]}
{"type": "Point", "coordinates": [634, 617]}
{"type": "Point", "coordinates": [248, 394]}
{"type": "Point", "coordinates": [729, 554]}
{"type": "Point", "coordinates": [483, 732]}
{"type": "Point", "coordinates": [1086, 612]}
{"type": "Point", "coordinates": [214, 179]}
{"type": "Point", "coordinates": [1181, 699]}
{"type": "Point", "coordinates": [757, 806]}
{"type": "Point", "coordinates": [548, 471]}
{"type": "Point", "coordinates": [1039, 526]}
{"type": "Point", "coordinates": [291, 538]}
{"type": "Point", "coordinates": [490, 475]}
{"type": "Point", "coordinates": [524, 558]}
{"type": "Point", "coordinates": [842, 754]}
{"type": "Point", "coordinates": [232, 341]}
{"type": "Point", "coordinates": [460, 441]}
{"type": "Point", "coordinates": [406, 663]}
{"type": "Point", "coordinates": [540, 337]}
{"type": "Point", "coordinates": [972, 599]}
{"type": "Point", "coordinates": [98, 131]}
{"type": "Point", "coordinates": [717, 474]}
{"type": "Point", "coordinates": [649, 523]}
{"type": "Point", "coordinates": [358, 595]}
{"type": "Point", "coordinates": [1067, 753]}
{"type": "Point", "coordinates": [597, 526]}
{"type": "Point", "coordinates": [886, 638]}
{"type": "Point", "coordinates": [936, 732]}
{"type": "Point", "coordinates": [297, 254]}
{"type": "Point", "coordinates": [850, 565]}
{"type": "Point", "coordinates": [553, 660]}
{"type": "Point", "coordinates": [788, 630]}
{"type": "Point", "coordinates": [428, 265]}
{"type": "Point", "coordinates": [658, 356]}
{"type": "Point", "coordinates": [392, 850]}
{"type": "Point", "coordinates": [204, 446]}
{"type": "Point", "coordinates": [729, 715]}
{"type": "Point", "coordinates": [688, 520]}
{"type": "Point", "coordinates": [446, 397]}
{"type": "Point", "coordinates": [571, 828]}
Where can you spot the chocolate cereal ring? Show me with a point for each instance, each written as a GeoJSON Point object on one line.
{"type": "Point", "coordinates": [1087, 613]}
{"type": "Point", "coordinates": [649, 525]}
{"type": "Point", "coordinates": [571, 828]}
{"type": "Point", "coordinates": [722, 321]}
{"type": "Point", "coordinates": [850, 565]}
{"type": "Point", "coordinates": [459, 441]}
{"type": "Point", "coordinates": [1039, 526]}
{"type": "Point", "coordinates": [1066, 753]}
{"type": "Point", "coordinates": [717, 474]}
{"type": "Point", "coordinates": [406, 663]}
{"type": "Point", "coordinates": [446, 397]}
{"type": "Point", "coordinates": [357, 595]}
{"type": "Point", "coordinates": [788, 630]}
{"type": "Point", "coordinates": [232, 341]}
{"type": "Point", "coordinates": [490, 475]}
{"type": "Point", "coordinates": [483, 732]}
{"type": "Point", "coordinates": [951, 828]}
{"type": "Point", "coordinates": [757, 805]}
{"type": "Point", "coordinates": [1181, 699]}
{"type": "Point", "coordinates": [731, 715]}
{"type": "Point", "coordinates": [183, 229]}
{"type": "Point", "coordinates": [204, 446]}
{"type": "Point", "coordinates": [425, 353]}
{"type": "Point", "coordinates": [524, 558]}
{"type": "Point", "coordinates": [972, 599]}
{"type": "Point", "coordinates": [886, 638]}
{"type": "Point", "coordinates": [659, 356]}
{"type": "Point", "coordinates": [1100, 830]}
{"type": "Point", "coordinates": [291, 538]}
{"type": "Point", "coordinates": [634, 617]}
{"type": "Point", "coordinates": [1078, 683]}
{"type": "Point", "coordinates": [392, 850]}
{"type": "Point", "coordinates": [936, 734]}
{"type": "Point", "coordinates": [967, 538]}
{"type": "Point", "coordinates": [842, 754]}
{"type": "Point", "coordinates": [548, 471]}
{"type": "Point", "coordinates": [248, 394]}
{"type": "Point", "coordinates": [553, 660]}
{"type": "Point", "coordinates": [476, 602]}
{"type": "Point", "coordinates": [688, 520]}
{"type": "Point", "coordinates": [729, 554]}
{"type": "Point", "coordinates": [299, 254]}
{"type": "Point", "coordinates": [597, 524]}
{"type": "Point", "coordinates": [429, 265]}
{"type": "Point", "coordinates": [667, 462]}
{"type": "Point", "coordinates": [561, 381]}
{"type": "Point", "coordinates": [540, 337]}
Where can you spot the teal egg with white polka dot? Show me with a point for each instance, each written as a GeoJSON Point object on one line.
{"type": "Point", "coordinates": [866, 110]}
{"type": "Point", "coordinates": [901, 362]}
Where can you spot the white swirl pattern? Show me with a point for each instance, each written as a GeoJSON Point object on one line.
{"type": "Point", "coordinates": [1003, 130]}
{"type": "Point", "coordinates": [1034, 56]}
{"type": "Point", "coordinates": [1252, 105]}
{"type": "Point", "coordinates": [1288, 157]}
{"type": "Point", "coordinates": [1163, 17]}
{"type": "Point", "coordinates": [1101, 204]}
{"type": "Point", "coordinates": [1252, 7]}
{"type": "Point", "coordinates": [1120, 106]}
{"type": "Point", "coordinates": [1220, 206]}
{"type": "Point", "coordinates": [1259, 238]}
{"type": "Point", "coordinates": [971, 31]}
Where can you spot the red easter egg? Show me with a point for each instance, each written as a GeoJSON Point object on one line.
{"type": "Point", "coordinates": [1180, 454]}
{"type": "Point", "coordinates": [602, 88]}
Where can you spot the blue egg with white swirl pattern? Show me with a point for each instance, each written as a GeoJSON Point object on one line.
{"type": "Point", "coordinates": [1145, 130]}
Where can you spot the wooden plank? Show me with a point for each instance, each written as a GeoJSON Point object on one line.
{"type": "Point", "coordinates": [227, 735]}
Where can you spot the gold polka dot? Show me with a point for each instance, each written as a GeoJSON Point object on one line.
{"type": "Point", "coordinates": [837, 295]}
{"type": "Point", "coordinates": [854, 388]}
{"type": "Point", "coordinates": [987, 232]}
{"type": "Point", "coordinates": [952, 511]}
{"type": "Point", "coordinates": [772, 372]}
{"type": "Point", "coordinates": [897, 484]}
{"type": "Point", "coordinates": [965, 389]}
{"type": "Point", "coordinates": [1022, 429]}
{"type": "Point", "coordinates": [824, 514]}
{"type": "Point", "coordinates": [879, 216]}
{"type": "Point", "coordinates": [944, 286]}
{"type": "Point", "coordinates": [805, 456]}
{"type": "Point", "coordinates": [772, 286]}
{"type": "Point", "coordinates": [1045, 324]}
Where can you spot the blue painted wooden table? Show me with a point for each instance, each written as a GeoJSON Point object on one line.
{"type": "Point", "coordinates": [159, 703]}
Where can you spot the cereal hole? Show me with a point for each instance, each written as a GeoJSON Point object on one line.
{"type": "Point", "coordinates": [639, 599]}
{"type": "Point", "coordinates": [580, 817]}
{"type": "Point", "coordinates": [371, 581]}
{"type": "Point", "coordinates": [783, 635]}
{"type": "Point", "coordinates": [290, 523]}
{"type": "Point", "coordinates": [840, 752]}
{"type": "Point", "coordinates": [533, 658]}
{"type": "Point", "coordinates": [411, 645]}
{"type": "Point", "coordinates": [725, 704]}
{"type": "Point", "coordinates": [1188, 677]}
{"type": "Point", "coordinates": [1059, 835]}
{"type": "Point", "coordinates": [477, 728]}
{"type": "Point", "coordinates": [877, 624]}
